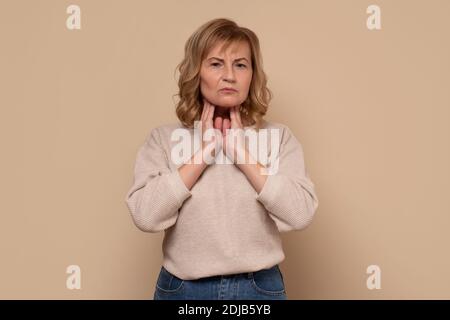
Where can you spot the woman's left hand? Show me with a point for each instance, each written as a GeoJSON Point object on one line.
{"type": "Point", "coordinates": [234, 140]}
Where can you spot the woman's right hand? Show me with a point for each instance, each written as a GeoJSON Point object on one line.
{"type": "Point", "coordinates": [213, 140]}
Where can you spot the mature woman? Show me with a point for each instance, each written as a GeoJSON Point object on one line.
{"type": "Point", "coordinates": [222, 219]}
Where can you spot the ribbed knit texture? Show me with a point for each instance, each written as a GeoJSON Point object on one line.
{"type": "Point", "coordinates": [222, 225]}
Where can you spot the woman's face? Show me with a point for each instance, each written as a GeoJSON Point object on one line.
{"type": "Point", "coordinates": [231, 68]}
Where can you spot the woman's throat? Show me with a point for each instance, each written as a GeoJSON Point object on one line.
{"type": "Point", "coordinates": [223, 113]}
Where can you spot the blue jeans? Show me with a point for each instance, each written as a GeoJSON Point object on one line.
{"type": "Point", "coordinates": [266, 284]}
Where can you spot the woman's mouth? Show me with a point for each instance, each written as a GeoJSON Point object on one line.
{"type": "Point", "coordinates": [228, 90]}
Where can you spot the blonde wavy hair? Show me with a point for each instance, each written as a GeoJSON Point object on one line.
{"type": "Point", "coordinates": [190, 106]}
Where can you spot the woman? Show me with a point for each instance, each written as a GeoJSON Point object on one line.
{"type": "Point", "coordinates": [222, 220]}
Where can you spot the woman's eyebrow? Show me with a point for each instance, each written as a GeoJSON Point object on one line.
{"type": "Point", "coordinates": [234, 59]}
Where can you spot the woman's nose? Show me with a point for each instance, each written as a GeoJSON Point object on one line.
{"type": "Point", "coordinates": [229, 73]}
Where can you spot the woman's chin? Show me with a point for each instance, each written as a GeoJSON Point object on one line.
{"type": "Point", "coordinates": [225, 103]}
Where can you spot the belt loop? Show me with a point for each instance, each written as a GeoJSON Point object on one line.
{"type": "Point", "coordinates": [249, 275]}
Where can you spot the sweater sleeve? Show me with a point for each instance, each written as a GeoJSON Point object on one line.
{"type": "Point", "coordinates": [157, 192]}
{"type": "Point", "coordinates": [289, 195]}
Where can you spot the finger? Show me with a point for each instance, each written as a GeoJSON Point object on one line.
{"type": "Point", "coordinates": [208, 110]}
{"type": "Point", "coordinates": [232, 116]}
{"type": "Point", "coordinates": [235, 121]}
{"type": "Point", "coordinates": [211, 112]}
{"type": "Point", "coordinates": [204, 110]}
{"type": "Point", "coordinates": [238, 115]}
{"type": "Point", "coordinates": [226, 125]}
{"type": "Point", "coordinates": [218, 123]}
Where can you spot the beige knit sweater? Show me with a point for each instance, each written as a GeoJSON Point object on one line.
{"type": "Point", "coordinates": [222, 225]}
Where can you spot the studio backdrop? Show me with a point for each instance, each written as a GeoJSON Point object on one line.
{"type": "Point", "coordinates": [363, 85]}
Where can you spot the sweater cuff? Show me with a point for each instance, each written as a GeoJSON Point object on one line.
{"type": "Point", "coordinates": [178, 187]}
{"type": "Point", "coordinates": [268, 193]}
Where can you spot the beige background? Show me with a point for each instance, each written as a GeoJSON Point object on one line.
{"type": "Point", "coordinates": [371, 109]}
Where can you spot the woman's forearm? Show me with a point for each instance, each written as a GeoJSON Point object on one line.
{"type": "Point", "coordinates": [191, 171]}
{"type": "Point", "coordinates": [254, 172]}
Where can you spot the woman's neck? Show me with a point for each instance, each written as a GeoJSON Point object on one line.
{"type": "Point", "coordinates": [222, 112]}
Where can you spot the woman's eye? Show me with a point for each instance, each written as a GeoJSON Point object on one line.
{"type": "Point", "coordinates": [241, 65]}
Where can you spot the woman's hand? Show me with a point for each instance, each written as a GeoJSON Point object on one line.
{"type": "Point", "coordinates": [255, 172]}
{"type": "Point", "coordinates": [234, 140]}
{"type": "Point", "coordinates": [211, 141]}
